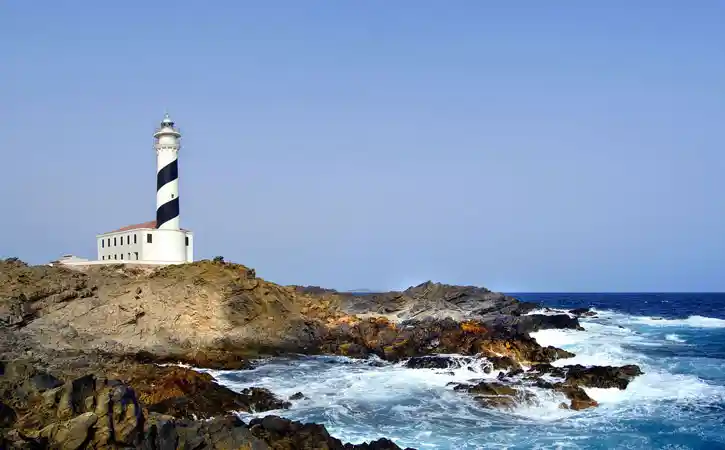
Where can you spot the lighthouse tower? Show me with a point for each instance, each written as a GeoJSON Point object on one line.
{"type": "Point", "coordinates": [167, 175]}
{"type": "Point", "coordinates": [169, 239]}
{"type": "Point", "coordinates": [161, 241]}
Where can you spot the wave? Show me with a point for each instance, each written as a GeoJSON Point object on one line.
{"type": "Point", "coordinates": [692, 321]}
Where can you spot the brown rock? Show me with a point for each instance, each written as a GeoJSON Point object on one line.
{"type": "Point", "coordinates": [579, 399]}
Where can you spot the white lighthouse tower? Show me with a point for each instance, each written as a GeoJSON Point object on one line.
{"type": "Point", "coordinates": [160, 241]}
{"type": "Point", "coordinates": [167, 175]}
{"type": "Point", "coordinates": [170, 244]}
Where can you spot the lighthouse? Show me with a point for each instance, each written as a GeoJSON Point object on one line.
{"type": "Point", "coordinates": [161, 241]}
{"type": "Point", "coordinates": [167, 175]}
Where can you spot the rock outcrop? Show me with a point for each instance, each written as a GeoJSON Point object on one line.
{"type": "Point", "coordinates": [101, 413]}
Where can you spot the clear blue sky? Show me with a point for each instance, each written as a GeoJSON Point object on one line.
{"type": "Point", "coordinates": [519, 145]}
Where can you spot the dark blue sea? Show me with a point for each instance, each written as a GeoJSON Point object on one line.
{"type": "Point", "coordinates": [679, 403]}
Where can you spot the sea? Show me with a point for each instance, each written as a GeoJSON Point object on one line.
{"type": "Point", "coordinates": [678, 340]}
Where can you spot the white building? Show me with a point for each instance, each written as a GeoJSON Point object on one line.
{"type": "Point", "coordinates": [146, 242]}
{"type": "Point", "coordinates": [161, 241]}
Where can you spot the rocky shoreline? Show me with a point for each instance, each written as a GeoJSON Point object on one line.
{"type": "Point", "coordinates": [89, 359]}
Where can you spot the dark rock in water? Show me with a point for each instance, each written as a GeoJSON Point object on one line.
{"type": "Point", "coordinates": [485, 387]}
{"type": "Point", "coordinates": [435, 362]}
{"type": "Point", "coordinates": [545, 368]}
{"type": "Point", "coordinates": [297, 396]}
{"type": "Point", "coordinates": [510, 374]}
{"type": "Point", "coordinates": [498, 401]}
{"type": "Point", "coordinates": [579, 399]}
{"type": "Point", "coordinates": [284, 434]}
{"type": "Point", "coordinates": [582, 312]}
{"type": "Point", "coordinates": [602, 376]}
{"type": "Point", "coordinates": [594, 376]}
{"type": "Point", "coordinates": [260, 399]}
{"type": "Point", "coordinates": [494, 394]}
{"type": "Point", "coordinates": [536, 322]}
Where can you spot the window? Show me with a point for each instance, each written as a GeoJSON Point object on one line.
{"type": "Point", "coordinates": [136, 255]}
{"type": "Point", "coordinates": [134, 240]}
{"type": "Point", "coordinates": [148, 238]}
{"type": "Point", "coordinates": [103, 257]}
{"type": "Point", "coordinates": [128, 239]}
{"type": "Point", "coordinates": [115, 256]}
{"type": "Point", "coordinates": [129, 255]}
{"type": "Point", "coordinates": [121, 255]}
{"type": "Point", "coordinates": [114, 242]}
{"type": "Point", "coordinates": [109, 242]}
{"type": "Point", "coordinates": [103, 243]}
{"type": "Point", "coordinates": [187, 241]}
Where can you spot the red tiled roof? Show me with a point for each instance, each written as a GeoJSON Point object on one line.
{"type": "Point", "coordinates": [150, 224]}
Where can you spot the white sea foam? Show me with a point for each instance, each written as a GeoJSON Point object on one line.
{"type": "Point", "coordinates": [674, 338]}
{"type": "Point", "coordinates": [548, 312]}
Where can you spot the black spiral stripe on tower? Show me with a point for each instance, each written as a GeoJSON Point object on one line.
{"type": "Point", "coordinates": [170, 209]}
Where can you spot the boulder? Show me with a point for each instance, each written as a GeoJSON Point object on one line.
{"type": "Point", "coordinates": [582, 312]}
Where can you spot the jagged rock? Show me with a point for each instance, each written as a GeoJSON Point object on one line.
{"type": "Point", "coordinates": [487, 388]}
{"type": "Point", "coordinates": [20, 382]}
{"type": "Point", "coordinates": [284, 434]}
{"type": "Point", "coordinates": [435, 362]}
{"type": "Point", "coordinates": [95, 412]}
{"type": "Point", "coordinates": [495, 394]}
{"type": "Point", "coordinates": [185, 393]}
{"type": "Point", "coordinates": [602, 376]}
{"type": "Point", "coordinates": [504, 363]}
{"type": "Point", "coordinates": [534, 322]}
{"type": "Point", "coordinates": [431, 300]}
{"type": "Point", "coordinates": [579, 399]}
{"type": "Point", "coordinates": [72, 434]}
{"type": "Point", "coordinates": [582, 312]}
{"type": "Point", "coordinates": [260, 399]}
{"type": "Point", "coordinates": [594, 376]}
{"type": "Point", "coordinates": [297, 396]}
{"type": "Point", "coordinates": [222, 433]}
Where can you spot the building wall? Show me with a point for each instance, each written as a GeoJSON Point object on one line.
{"type": "Point", "coordinates": [189, 246]}
{"type": "Point", "coordinates": [122, 245]}
{"type": "Point", "coordinates": [134, 245]}
{"type": "Point", "coordinates": [165, 245]}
